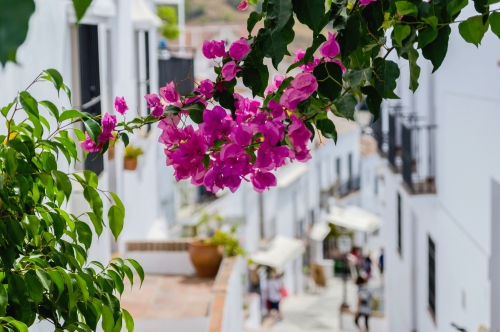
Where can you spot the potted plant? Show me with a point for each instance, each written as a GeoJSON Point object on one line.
{"type": "Point", "coordinates": [206, 253]}
{"type": "Point", "coordinates": [130, 157]}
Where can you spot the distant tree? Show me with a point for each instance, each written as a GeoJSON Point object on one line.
{"type": "Point", "coordinates": [170, 28]}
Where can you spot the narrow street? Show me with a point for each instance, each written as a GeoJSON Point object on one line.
{"type": "Point", "coordinates": [319, 311]}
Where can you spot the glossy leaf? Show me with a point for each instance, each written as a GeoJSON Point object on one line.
{"type": "Point", "coordinates": [138, 268]}
{"type": "Point", "coordinates": [310, 13]}
{"type": "Point", "coordinates": [385, 74]}
{"type": "Point", "coordinates": [414, 69]}
{"type": "Point", "coordinates": [495, 23]}
{"type": "Point", "coordinates": [81, 7]}
{"type": "Point", "coordinates": [327, 128]}
{"type": "Point", "coordinates": [129, 321]}
{"type": "Point", "coordinates": [472, 30]}
{"type": "Point", "coordinates": [329, 77]}
{"type": "Point", "coordinates": [401, 32]}
{"type": "Point", "coordinates": [436, 50]}
{"type": "Point", "coordinates": [116, 219]}
{"type": "Point", "coordinates": [55, 77]}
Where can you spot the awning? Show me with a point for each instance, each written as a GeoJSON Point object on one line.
{"type": "Point", "coordinates": [353, 217]}
{"type": "Point", "coordinates": [290, 174]}
{"type": "Point", "coordinates": [319, 231]}
{"type": "Point", "coordinates": [143, 17]}
{"type": "Point", "coordinates": [281, 250]}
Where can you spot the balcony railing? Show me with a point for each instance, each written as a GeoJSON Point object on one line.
{"type": "Point", "coordinates": [418, 169]}
{"type": "Point", "coordinates": [342, 189]}
{"type": "Point", "coordinates": [379, 136]}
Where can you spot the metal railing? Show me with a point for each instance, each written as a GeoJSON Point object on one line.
{"type": "Point", "coordinates": [418, 155]}
{"type": "Point", "coordinates": [342, 189]}
{"type": "Point", "coordinates": [379, 136]}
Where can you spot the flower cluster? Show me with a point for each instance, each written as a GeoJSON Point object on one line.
{"type": "Point", "coordinates": [220, 149]}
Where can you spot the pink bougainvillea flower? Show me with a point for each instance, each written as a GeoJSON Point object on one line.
{"type": "Point", "coordinates": [108, 123]}
{"type": "Point", "coordinates": [330, 48]}
{"type": "Point", "coordinates": [263, 180]}
{"type": "Point", "coordinates": [305, 82]}
{"type": "Point", "coordinates": [239, 49]}
{"type": "Point", "coordinates": [157, 111]}
{"type": "Point", "coordinates": [89, 145]}
{"type": "Point", "coordinates": [366, 2]}
{"type": "Point", "coordinates": [230, 70]}
{"type": "Point", "coordinates": [206, 88]}
{"type": "Point", "coordinates": [292, 97]}
{"type": "Point", "coordinates": [213, 49]}
{"type": "Point", "coordinates": [277, 110]}
{"type": "Point", "coordinates": [278, 79]}
{"type": "Point", "coordinates": [169, 92]}
{"type": "Point", "coordinates": [120, 105]}
{"type": "Point", "coordinates": [299, 54]}
{"type": "Point", "coordinates": [152, 99]}
{"type": "Point", "coordinates": [243, 5]}
{"type": "Point", "coordinates": [242, 135]}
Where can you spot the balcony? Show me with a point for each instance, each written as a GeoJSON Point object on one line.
{"type": "Point", "coordinates": [380, 137]}
{"type": "Point", "coordinates": [343, 189]}
{"type": "Point", "coordinates": [418, 158]}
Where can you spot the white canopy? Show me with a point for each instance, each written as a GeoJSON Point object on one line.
{"type": "Point", "coordinates": [281, 250]}
{"type": "Point", "coordinates": [143, 17]}
{"type": "Point", "coordinates": [353, 217]}
{"type": "Point", "coordinates": [290, 174]}
{"type": "Point", "coordinates": [319, 231]}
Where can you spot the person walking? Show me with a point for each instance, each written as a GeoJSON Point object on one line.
{"type": "Point", "coordinates": [364, 302]}
{"type": "Point", "coordinates": [274, 293]}
{"type": "Point", "coordinates": [367, 266]}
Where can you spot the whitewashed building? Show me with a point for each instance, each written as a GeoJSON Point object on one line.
{"type": "Point", "coordinates": [438, 190]}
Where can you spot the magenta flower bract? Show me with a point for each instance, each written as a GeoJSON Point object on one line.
{"type": "Point", "coordinates": [120, 105]}
{"type": "Point", "coordinates": [213, 49]}
{"type": "Point", "coordinates": [239, 49]}
{"type": "Point", "coordinates": [108, 123]}
{"type": "Point", "coordinates": [243, 5]}
{"type": "Point", "coordinates": [263, 180]}
{"type": "Point", "coordinates": [305, 83]}
{"type": "Point", "coordinates": [169, 92]}
{"type": "Point", "coordinates": [292, 97]}
{"type": "Point", "coordinates": [330, 48]}
{"type": "Point", "coordinates": [206, 88]}
{"type": "Point", "coordinates": [366, 2]}
{"type": "Point", "coordinates": [230, 70]}
{"type": "Point", "coordinates": [89, 145]}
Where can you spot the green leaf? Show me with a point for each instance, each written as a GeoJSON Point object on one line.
{"type": "Point", "coordinates": [94, 200]}
{"type": "Point", "coordinates": [4, 300]}
{"type": "Point", "coordinates": [426, 36]}
{"type": "Point", "coordinates": [69, 284]}
{"type": "Point", "coordinates": [432, 21]}
{"type": "Point", "coordinates": [91, 177]}
{"type": "Point", "coordinates": [455, 6]}
{"type": "Point", "coordinates": [373, 101]}
{"type": "Point", "coordinates": [16, 231]}
{"type": "Point", "coordinates": [51, 108]}
{"type": "Point", "coordinates": [58, 281]}
{"type": "Point", "coordinates": [98, 224]}
{"type": "Point", "coordinates": [407, 8]}
{"type": "Point", "coordinates": [129, 321]}
{"type": "Point", "coordinates": [385, 74]}
{"type": "Point", "coordinates": [255, 73]}
{"type": "Point", "coordinates": [62, 182]}
{"type": "Point", "coordinates": [436, 50]}
{"type": "Point", "coordinates": [84, 234]}
{"type": "Point", "coordinates": [55, 77]}
{"type": "Point", "coordinates": [35, 288]}
{"type": "Point", "coordinates": [348, 38]}
{"type": "Point", "coordinates": [329, 77]}
{"type": "Point", "coordinates": [14, 23]}
{"type": "Point", "coordinates": [92, 127]}
{"type": "Point", "coordinates": [20, 147]}
{"type": "Point", "coordinates": [472, 30]}
{"type": "Point", "coordinates": [44, 279]}
{"type": "Point", "coordinates": [310, 13]}
{"type": "Point", "coordinates": [401, 32]}
{"type": "Point", "coordinates": [81, 7]}
{"type": "Point", "coordinates": [137, 267]}
{"type": "Point", "coordinates": [196, 112]}
{"type": "Point", "coordinates": [327, 128]}
{"type": "Point", "coordinates": [28, 103]}
{"type": "Point", "coordinates": [495, 23]}
{"type": "Point", "coordinates": [356, 77]}
{"type": "Point", "coordinates": [20, 326]}
{"type": "Point", "coordinates": [118, 201]}
{"type": "Point", "coordinates": [252, 21]}
{"type": "Point", "coordinates": [17, 288]}
{"type": "Point", "coordinates": [346, 106]}
{"type": "Point", "coordinates": [116, 218]}
{"type": "Point", "coordinates": [71, 114]}
{"type": "Point", "coordinates": [118, 281]}
{"type": "Point", "coordinates": [414, 69]}
{"type": "Point", "coordinates": [108, 322]}
{"type": "Point", "coordinates": [83, 287]}
{"type": "Point", "coordinates": [32, 224]}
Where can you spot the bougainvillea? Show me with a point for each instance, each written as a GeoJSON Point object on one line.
{"type": "Point", "coordinates": [218, 138]}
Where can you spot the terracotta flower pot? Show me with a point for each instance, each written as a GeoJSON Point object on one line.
{"type": "Point", "coordinates": [111, 153]}
{"type": "Point", "coordinates": [130, 164]}
{"type": "Point", "coordinates": [206, 258]}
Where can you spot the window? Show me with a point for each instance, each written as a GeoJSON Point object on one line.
{"type": "Point", "coordinates": [400, 244]}
{"type": "Point", "coordinates": [143, 71]}
{"type": "Point", "coordinates": [432, 277]}
{"type": "Point", "coordinates": [90, 86]}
